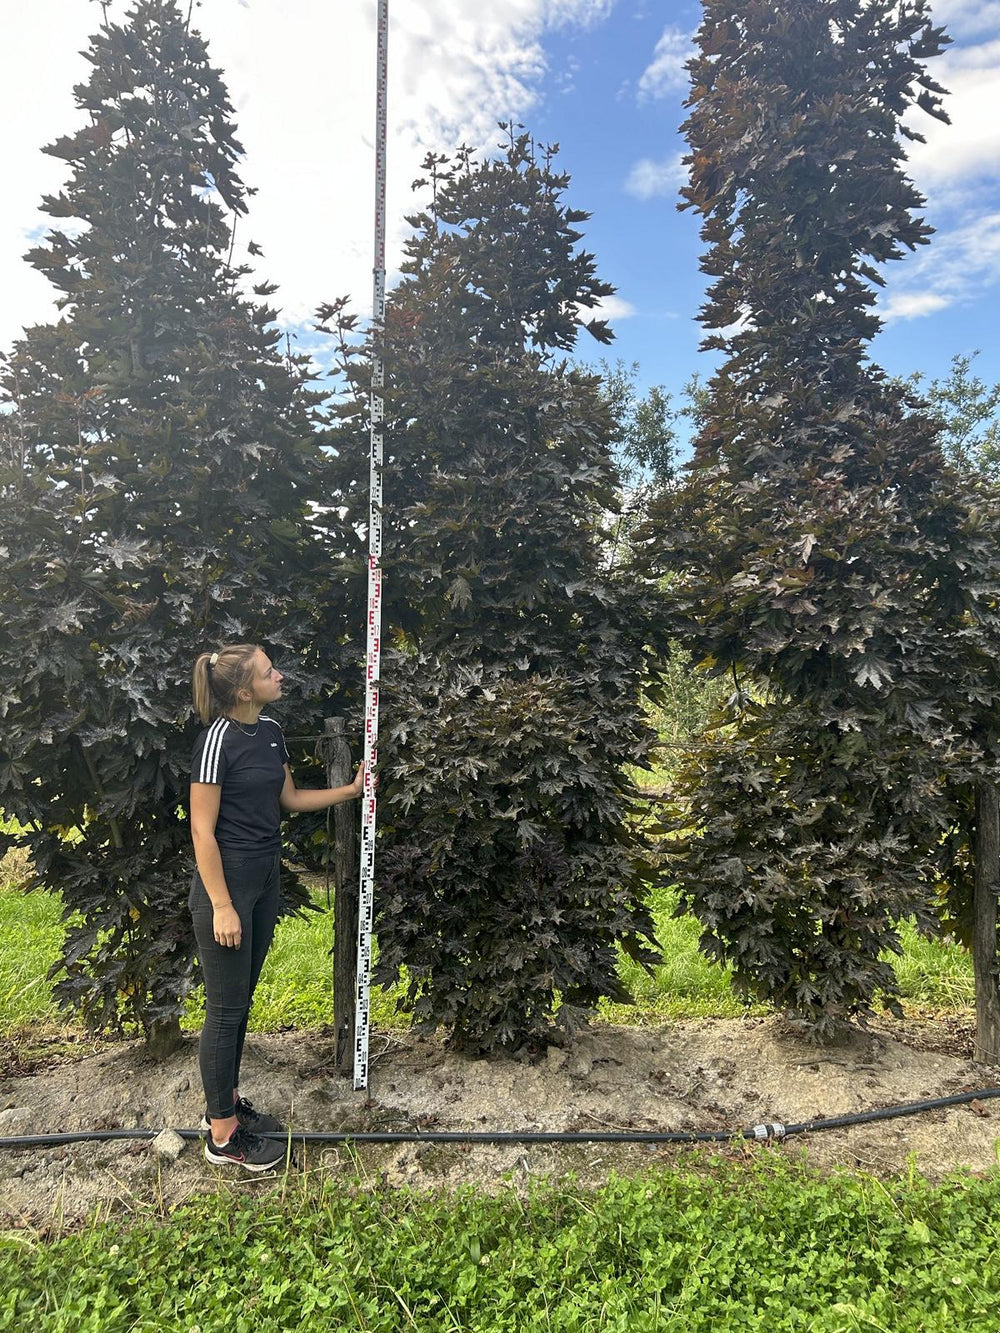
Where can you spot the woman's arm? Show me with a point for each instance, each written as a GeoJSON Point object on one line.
{"type": "Point", "coordinates": [205, 797]}
{"type": "Point", "coordinates": [292, 798]}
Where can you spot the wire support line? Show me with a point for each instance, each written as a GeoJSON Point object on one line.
{"type": "Point", "coordinates": [766, 1130]}
{"type": "Point", "coordinates": [325, 736]}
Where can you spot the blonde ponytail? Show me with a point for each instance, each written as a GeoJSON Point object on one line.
{"type": "Point", "coordinates": [218, 678]}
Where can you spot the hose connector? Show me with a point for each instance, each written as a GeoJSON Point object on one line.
{"type": "Point", "coordinates": [772, 1130]}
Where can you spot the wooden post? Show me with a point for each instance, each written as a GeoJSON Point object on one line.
{"type": "Point", "coordinates": [339, 773]}
{"type": "Point", "coordinates": [984, 923]}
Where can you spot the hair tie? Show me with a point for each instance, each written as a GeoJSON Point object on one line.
{"type": "Point", "coordinates": [213, 659]}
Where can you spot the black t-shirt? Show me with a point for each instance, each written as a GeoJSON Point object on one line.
{"type": "Point", "coordinates": [249, 766]}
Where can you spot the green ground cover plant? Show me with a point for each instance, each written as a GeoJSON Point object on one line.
{"type": "Point", "coordinates": [684, 1249]}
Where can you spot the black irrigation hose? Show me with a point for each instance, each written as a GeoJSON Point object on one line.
{"type": "Point", "coordinates": [766, 1131]}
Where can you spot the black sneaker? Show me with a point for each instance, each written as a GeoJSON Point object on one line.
{"type": "Point", "coordinates": [255, 1121]}
{"type": "Point", "coordinates": [246, 1150]}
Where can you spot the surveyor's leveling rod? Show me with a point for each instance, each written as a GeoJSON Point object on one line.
{"type": "Point", "coordinates": [367, 880]}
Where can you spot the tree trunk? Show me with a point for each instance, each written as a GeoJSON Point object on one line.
{"type": "Point", "coordinates": [339, 773]}
{"type": "Point", "coordinates": [163, 1038]}
{"type": "Point", "coordinates": [984, 923]}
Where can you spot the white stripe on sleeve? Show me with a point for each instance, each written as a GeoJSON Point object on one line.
{"type": "Point", "coordinates": [213, 749]}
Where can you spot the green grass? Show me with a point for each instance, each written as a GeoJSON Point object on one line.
{"type": "Point", "coordinates": [296, 987]}
{"type": "Point", "coordinates": [682, 1251]}
{"type": "Point", "coordinates": [295, 990]}
{"type": "Point", "coordinates": [934, 973]}
{"type": "Point", "coordinates": [714, 1245]}
{"type": "Point", "coordinates": [32, 932]}
{"type": "Point", "coordinates": [685, 984]}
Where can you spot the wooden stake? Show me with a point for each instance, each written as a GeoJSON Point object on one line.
{"type": "Point", "coordinates": [984, 923]}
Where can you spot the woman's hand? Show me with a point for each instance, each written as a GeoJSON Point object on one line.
{"type": "Point", "coordinates": [226, 925]}
{"type": "Point", "coordinates": [295, 798]}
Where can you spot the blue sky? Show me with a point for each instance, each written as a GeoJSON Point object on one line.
{"type": "Point", "coordinates": [603, 78]}
{"type": "Point", "coordinates": [617, 116]}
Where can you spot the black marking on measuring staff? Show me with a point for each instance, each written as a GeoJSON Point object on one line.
{"type": "Point", "coordinates": [366, 890]}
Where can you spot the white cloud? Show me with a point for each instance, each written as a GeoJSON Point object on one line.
{"type": "Point", "coordinates": [666, 73]}
{"type": "Point", "coordinates": [301, 77]}
{"type": "Point", "coordinates": [911, 305]}
{"type": "Point", "coordinates": [610, 307]}
{"type": "Point", "coordinates": [957, 169]}
{"type": "Point", "coordinates": [967, 18]}
{"type": "Point", "coordinates": [648, 178]}
{"type": "Point", "coordinates": [958, 266]}
{"type": "Point", "coordinates": [579, 13]}
{"type": "Point", "coordinates": [970, 146]}
{"type": "Point", "coordinates": [40, 65]}
{"type": "Point", "coordinates": [564, 80]}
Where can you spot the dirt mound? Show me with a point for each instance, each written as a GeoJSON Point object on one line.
{"type": "Point", "coordinates": [697, 1075]}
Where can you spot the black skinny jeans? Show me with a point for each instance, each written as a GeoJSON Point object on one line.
{"type": "Point", "coordinates": [231, 974]}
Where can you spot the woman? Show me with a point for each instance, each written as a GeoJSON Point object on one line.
{"type": "Point", "coordinates": [240, 783]}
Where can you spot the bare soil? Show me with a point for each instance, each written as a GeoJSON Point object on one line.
{"type": "Point", "coordinates": [708, 1074]}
